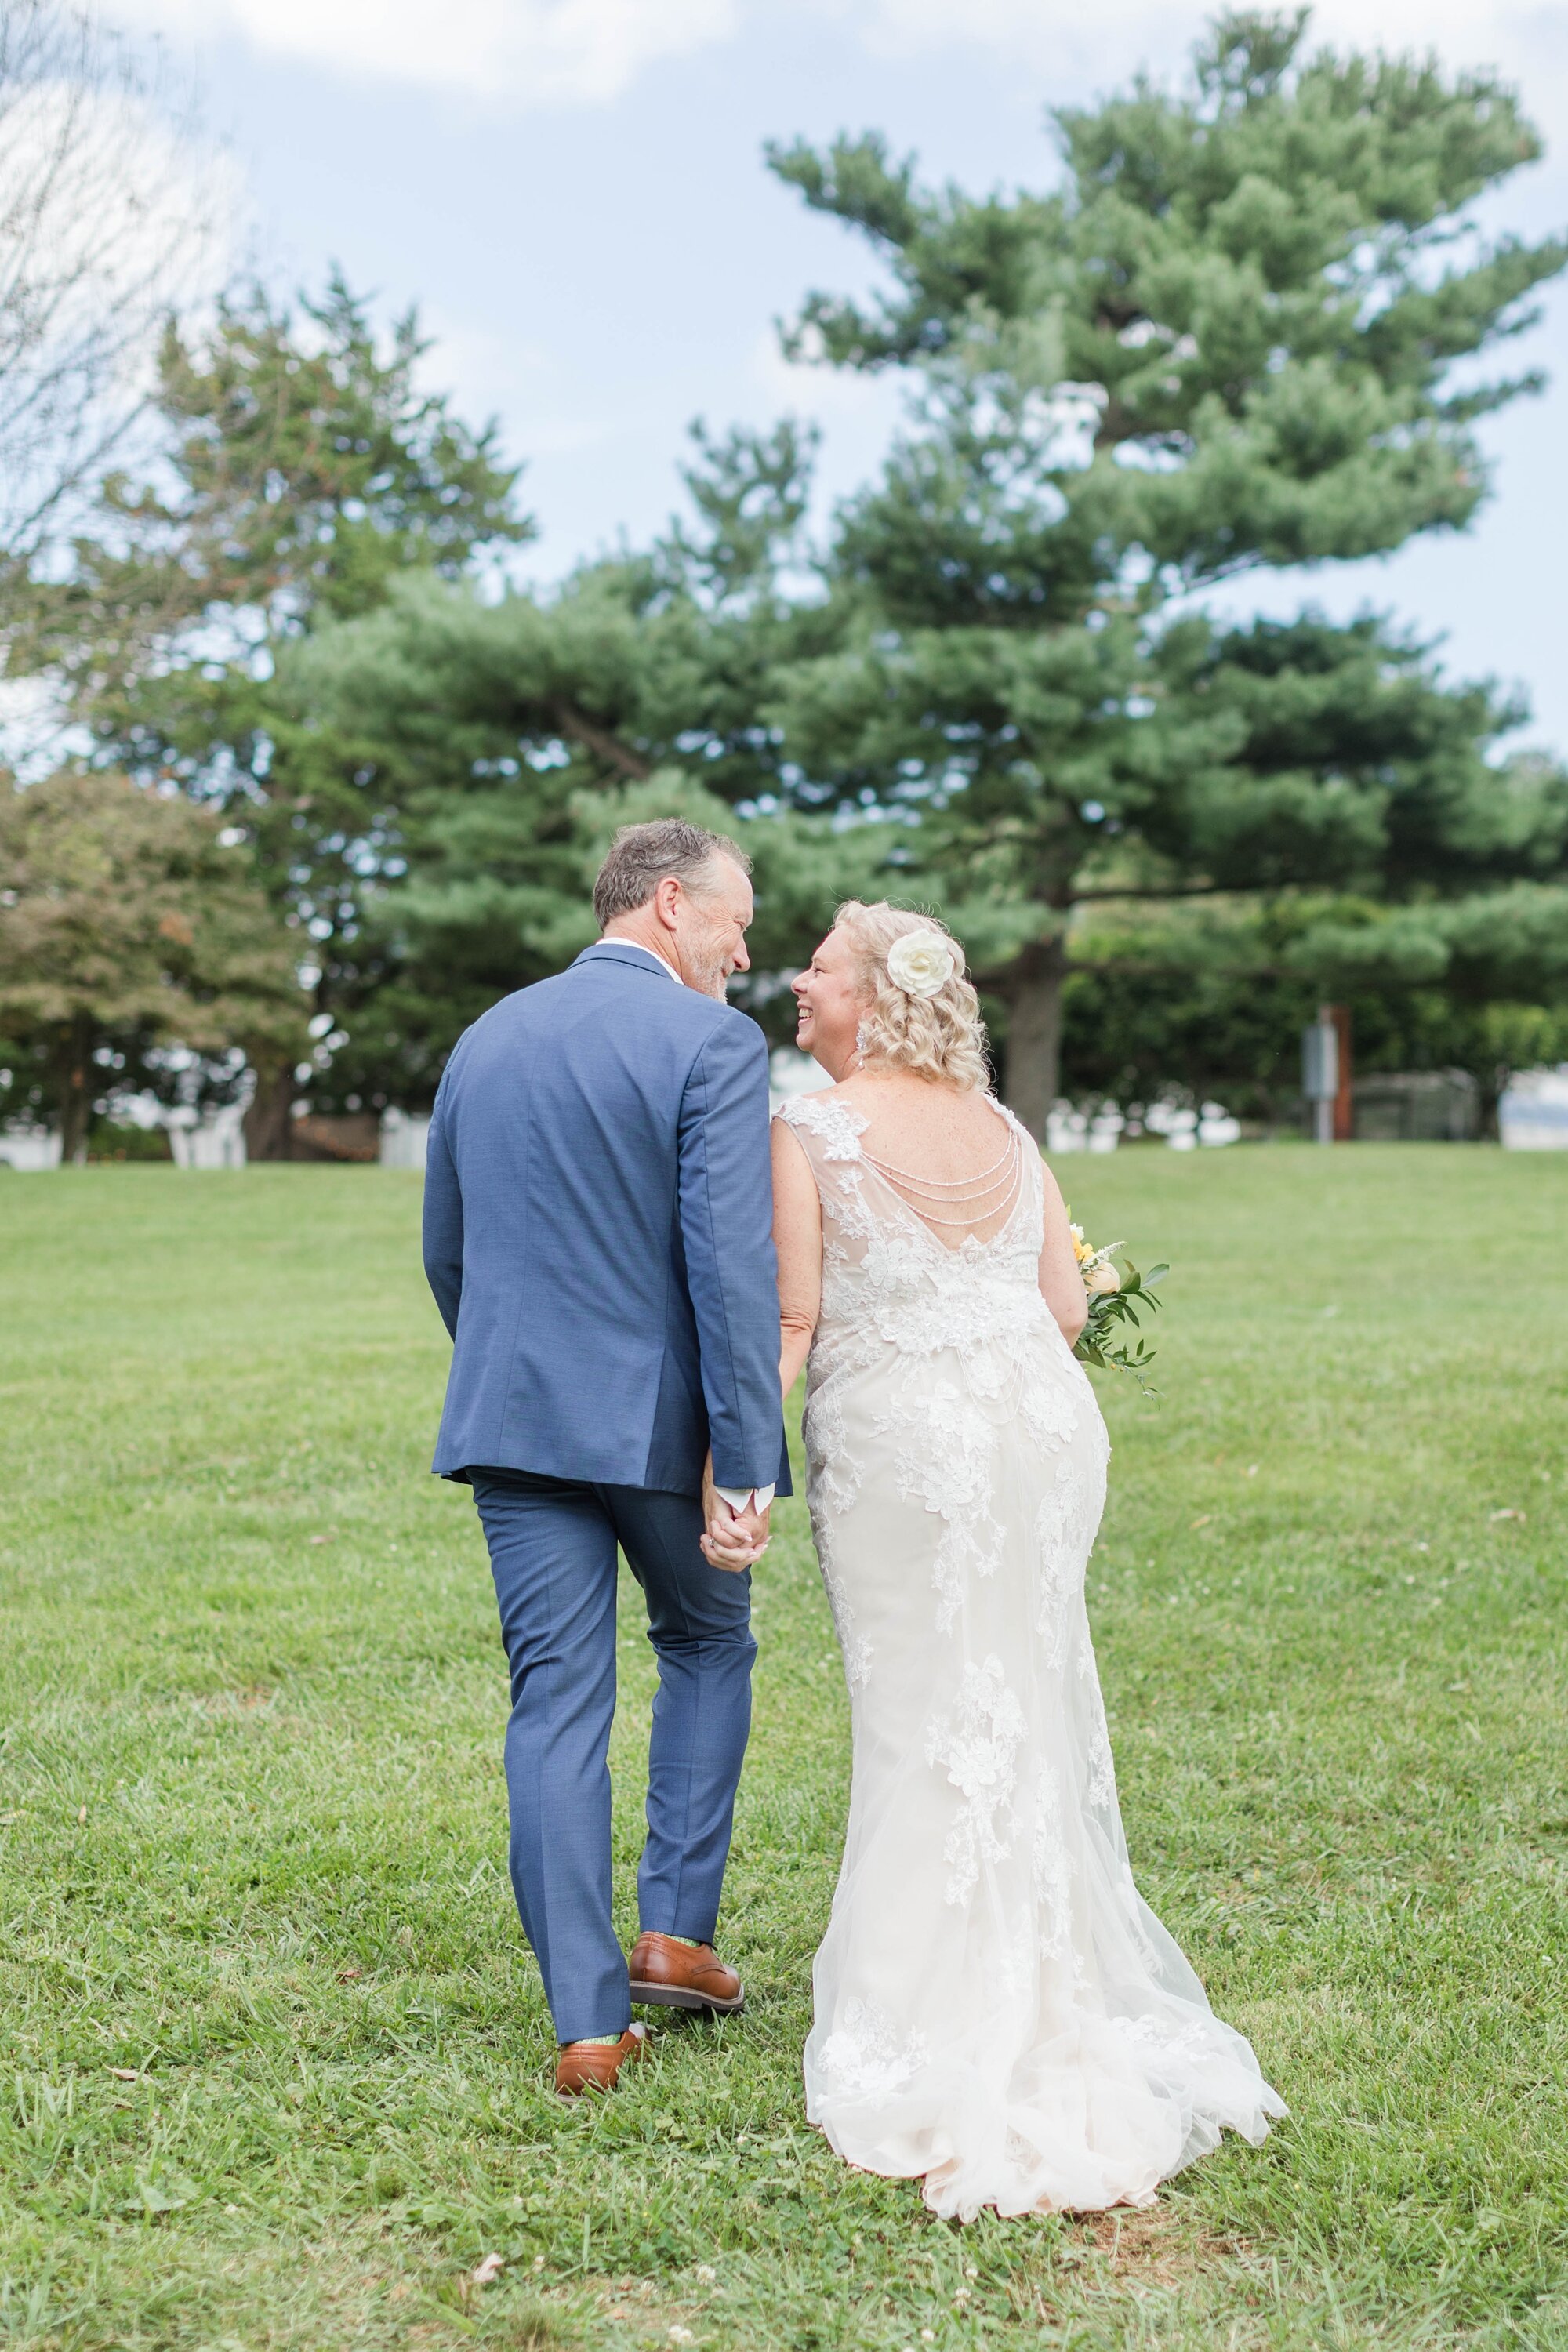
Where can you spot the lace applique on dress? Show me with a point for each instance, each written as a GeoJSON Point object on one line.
{"type": "Point", "coordinates": [838, 1469]}
{"type": "Point", "coordinates": [1178, 2045]}
{"type": "Point", "coordinates": [1102, 1766]}
{"type": "Point", "coordinates": [1053, 1866]}
{"type": "Point", "coordinates": [839, 1127]}
{"type": "Point", "coordinates": [943, 1462]}
{"type": "Point", "coordinates": [977, 1746]}
{"type": "Point", "coordinates": [1064, 1530]}
{"type": "Point", "coordinates": [983, 1990]}
{"type": "Point", "coordinates": [868, 2055]}
{"type": "Point", "coordinates": [1050, 1413]}
{"type": "Point", "coordinates": [856, 1649]}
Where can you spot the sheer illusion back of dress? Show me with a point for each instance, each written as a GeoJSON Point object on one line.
{"type": "Point", "coordinates": [971, 1207]}
{"type": "Point", "coordinates": [996, 2009]}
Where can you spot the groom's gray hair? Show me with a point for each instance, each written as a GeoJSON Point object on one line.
{"type": "Point", "coordinates": [641, 857]}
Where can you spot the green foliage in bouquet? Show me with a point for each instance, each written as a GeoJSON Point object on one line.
{"type": "Point", "coordinates": [1116, 1297]}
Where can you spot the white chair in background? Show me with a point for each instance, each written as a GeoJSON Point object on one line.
{"type": "Point", "coordinates": [405, 1137]}
{"type": "Point", "coordinates": [30, 1149]}
{"type": "Point", "coordinates": [214, 1140]}
{"type": "Point", "coordinates": [1532, 1111]}
{"type": "Point", "coordinates": [1066, 1130]}
{"type": "Point", "coordinates": [1217, 1127]}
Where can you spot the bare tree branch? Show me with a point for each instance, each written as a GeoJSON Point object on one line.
{"type": "Point", "coordinates": [111, 214]}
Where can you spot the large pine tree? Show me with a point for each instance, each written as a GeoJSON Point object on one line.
{"type": "Point", "coordinates": [1225, 341]}
{"type": "Point", "coordinates": [513, 735]}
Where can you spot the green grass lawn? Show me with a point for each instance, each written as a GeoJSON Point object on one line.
{"type": "Point", "coordinates": [276, 2064]}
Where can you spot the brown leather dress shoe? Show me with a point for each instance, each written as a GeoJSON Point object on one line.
{"type": "Point", "coordinates": [668, 1974]}
{"type": "Point", "coordinates": [595, 2065]}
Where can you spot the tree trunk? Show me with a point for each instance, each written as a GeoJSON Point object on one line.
{"type": "Point", "coordinates": [269, 1121]}
{"type": "Point", "coordinates": [1493, 1079]}
{"type": "Point", "coordinates": [1035, 1034]}
{"type": "Point", "coordinates": [76, 1093]}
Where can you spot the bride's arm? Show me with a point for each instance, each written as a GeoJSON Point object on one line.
{"type": "Point", "coordinates": [798, 1237]}
{"type": "Point", "coordinates": [1061, 1285]}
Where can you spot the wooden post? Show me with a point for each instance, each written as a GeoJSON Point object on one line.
{"type": "Point", "coordinates": [1345, 1102]}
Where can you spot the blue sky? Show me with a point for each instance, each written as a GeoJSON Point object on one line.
{"type": "Point", "coordinates": [573, 191]}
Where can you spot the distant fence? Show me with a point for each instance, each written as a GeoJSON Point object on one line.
{"type": "Point", "coordinates": [1417, 1107]}
{"type": "Point", "coordinates": [1408, 1106]}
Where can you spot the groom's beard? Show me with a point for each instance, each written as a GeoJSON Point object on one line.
{"type": "Point", "coordinates": [703, 966]}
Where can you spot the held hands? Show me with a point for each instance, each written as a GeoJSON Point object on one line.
{"type": "Point", "coordinates": [734, 1540]}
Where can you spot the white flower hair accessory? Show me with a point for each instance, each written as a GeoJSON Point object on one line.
{"type": "Point", "coordinates": [921, 962]}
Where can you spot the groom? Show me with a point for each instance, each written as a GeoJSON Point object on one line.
{"type": "Point", "coordinates": [597, 1209]}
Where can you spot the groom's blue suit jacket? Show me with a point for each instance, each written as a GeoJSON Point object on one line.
{"type": "Point", "coordinates": [597, 1233]}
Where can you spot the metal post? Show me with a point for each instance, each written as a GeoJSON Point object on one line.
{"type": "Point", "coordinates": [1320, 1072]}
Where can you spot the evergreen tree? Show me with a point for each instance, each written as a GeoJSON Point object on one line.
{"type": "Point", "coordinates": [1215, 995]}
{"type": "Point", "coordinates": [512, 736]}
{"type": "Point", "coordinates": [1226, 341]}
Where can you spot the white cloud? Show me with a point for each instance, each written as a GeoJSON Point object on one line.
{"type": "Point", "coordinates": [540, 51]}
{"type": "Point", "coordinates": [1040, 25]}
{"type": "Point", "coordinates": [110, 214]}
{"type": "Point", "coordinates": [830, 395]}
{"type": "Point", "coordinates": [1528, 42]}
{"type": "Point", "coordinates": [511, 377]}
{"type": "Point", "coordinates": [554, 52]}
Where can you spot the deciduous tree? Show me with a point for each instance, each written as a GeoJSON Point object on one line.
{"type": "Point", "coordinates": [308, 472]}
{"type": "Point", "coordinates": [131, 922]}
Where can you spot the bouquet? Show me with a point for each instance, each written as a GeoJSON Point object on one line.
{"type": "Point", "coordinates": [1116, 1295]}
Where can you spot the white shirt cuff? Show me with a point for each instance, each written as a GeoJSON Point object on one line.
{"type": "Point", "coordinates": [747, 1498]}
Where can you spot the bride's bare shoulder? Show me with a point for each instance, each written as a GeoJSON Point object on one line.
{"type": "Point", "coordinates": [900, 1098]}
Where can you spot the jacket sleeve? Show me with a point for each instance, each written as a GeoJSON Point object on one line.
{"type": "Point", "coordinates": [726, 1224]}
{"type": "Point", "coordinates": [443, 1217]}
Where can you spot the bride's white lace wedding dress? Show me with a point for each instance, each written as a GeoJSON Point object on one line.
{"type": "Point", "coordinates": [996, 2008]}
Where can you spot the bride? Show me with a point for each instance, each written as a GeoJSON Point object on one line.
{"type": "Point", "coordinates": [998, 2011]}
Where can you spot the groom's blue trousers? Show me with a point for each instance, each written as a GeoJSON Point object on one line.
{"type": "Point", "coordinates": [552, 1548]}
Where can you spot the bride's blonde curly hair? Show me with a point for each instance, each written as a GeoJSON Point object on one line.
{"type": "Point", "coordinates": [938, 1036]}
